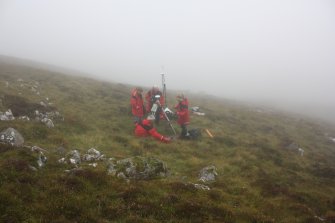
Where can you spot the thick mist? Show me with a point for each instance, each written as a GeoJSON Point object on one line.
{"type": "Point", "coordinates": [280, 53]}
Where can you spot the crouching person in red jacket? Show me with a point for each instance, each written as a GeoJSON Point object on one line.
{"type": "Point", "coordinates": [145, 128]}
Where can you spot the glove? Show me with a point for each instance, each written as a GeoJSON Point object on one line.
{"type": "Point", "coordinates": [166, 139]}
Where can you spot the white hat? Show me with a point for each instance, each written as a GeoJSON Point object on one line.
{"type": "Point", "coordinates": [151, 117]}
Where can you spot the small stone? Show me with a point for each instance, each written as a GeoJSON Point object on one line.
{"type": "Point", "coordinates": [43, 104]}
{"type": "Point", "coordinates": [93, 164]}
{"type": "Point", "coordinates": [42, 159]}
{"type": "Point", "coordinates": [32, 168]}
{"type": "Point", "coordinates": [201, 187]}
{"type": "Point", "coordinates": [24, 118]}
{"type": "Point", "coordinates": [301, 151]}
{"type": "Point", "coordinates": [121, 175]}
{"type": "Point", "coordinates": [62, 160]}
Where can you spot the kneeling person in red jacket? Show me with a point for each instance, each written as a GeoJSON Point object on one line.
{"type": "Point", "coordinates": [145, 128]}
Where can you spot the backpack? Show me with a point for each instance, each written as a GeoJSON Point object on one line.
{"type": "Point", "coordinates": [194, 134]}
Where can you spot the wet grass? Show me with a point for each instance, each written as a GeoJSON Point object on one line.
{"type": "Point", "coordinates": [259, 179]}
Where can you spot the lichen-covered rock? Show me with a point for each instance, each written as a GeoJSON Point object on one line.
{"type": "Point", "coordinates": [138, 168]}
{"type": "Point", "coordinates": [74, 157]}
{"type": "Point", "coordinates": [48, 122]}
{"type": "Point", "coordinates": [208, 174]}
{"type": "Point", "coordinates": [92, 155]}
{"type": "Point", "coordinates": [12, 137]}
{"type": "Point", "coordinates": [111, 168]}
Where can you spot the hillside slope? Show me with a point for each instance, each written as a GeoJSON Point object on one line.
{"type": "Point", "coordinates": [261, 178]}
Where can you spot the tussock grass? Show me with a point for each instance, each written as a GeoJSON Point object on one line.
{"type": "Point", "coordinates": [259, 180]}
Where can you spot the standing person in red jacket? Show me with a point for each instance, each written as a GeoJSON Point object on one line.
{"type": "Point", "coordinates": [145, 128]}
{"type": "Point", "coordinates": [155, 96]}
{"type": "Point", "coordinates": [137, 106]}
{"type": "Point", "coordinates": [183, 115]}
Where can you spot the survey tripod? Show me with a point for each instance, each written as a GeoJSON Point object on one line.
{"type": "Point", "coordinates": [167, 118]}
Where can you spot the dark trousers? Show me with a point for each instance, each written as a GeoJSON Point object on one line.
{"type": "Point", "coordinates": [184, 131]}
{"type": "Point", "coordinates": [158, 115]}
{"type": "Point", "coordinates": [137, 119]}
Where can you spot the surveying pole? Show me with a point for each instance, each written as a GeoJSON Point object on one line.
{"type": "Point", "coordinates": [164, 88]}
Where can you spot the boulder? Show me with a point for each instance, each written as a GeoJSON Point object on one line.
{"type": "Point", "coordinates": [138, 168]}
{"type": "Point", "coordinates": [208, 174]}
{"type": "Point", "coordinates": [12, 137]}
{"type": "Point", "coordinates": [7, 116]}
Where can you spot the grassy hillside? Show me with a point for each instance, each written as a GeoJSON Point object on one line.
{"type": "Point", "coordinates": [259, 179]}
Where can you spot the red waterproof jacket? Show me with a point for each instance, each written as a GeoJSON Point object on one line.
{"type": "Point", "coordinates": [150, 98]}
{"type": "Point", "coordinates": [145, 128]}
{"type": "Point", "coordinates": [136, 101]}
{"type": "Point", "coordinates": [182, 112]}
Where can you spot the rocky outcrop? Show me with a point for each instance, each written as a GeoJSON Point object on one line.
{"type": "Point", "coordinates": [93, 155]}
{"type": "Point", "coordinates": [48, 117]}
{"type": "Point", "coordinates": [74, 157]}
{"type": "Point", "coordinates": [138, 168]}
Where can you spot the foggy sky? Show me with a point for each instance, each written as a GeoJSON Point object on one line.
{"type": "Point", "coordinates": [281, 52]}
